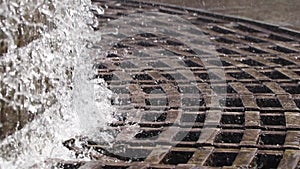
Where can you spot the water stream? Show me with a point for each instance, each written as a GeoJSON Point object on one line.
{"type": "Point", "coordinates": [50, 77]}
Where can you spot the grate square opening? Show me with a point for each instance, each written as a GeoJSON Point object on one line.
{"type": "Point", "coordinates": [142, 77]}
{"type": "Point", "coordinates": [175, 158]}
{"type": "Point", "coordinates": [224, 63]}
{"type": "Point", "coordinates": [227, 51]}
{"type": "Point", "coordinates": [279, 38]}
{"type": "Point", "coordinates": [254, 50]}
{"type": "Point", "coordinates": [221, 30]}
{"type": "Point", "coordinates": [259, 89]}
{"type": "Point", "coordinates": [219, 63]}
{"type": "Point", "coordinates": [112, 55]}
{"type": "Point", "coordinates": [191, 136]}
{"type": "Point", "coordinates": [229, 137]}
{"type": "Point", "coordinates": [206, 76]}
{"type": "Point", "coordinates": [251, 62]}
{"type": "Point", "coordinates": [107, 77]}
{"type": "Point", "coordinates": [99, 66]}
{"type": "Point", "coordinates": [174, 43]}
{"type": "Point", "coordinates": [148, 134]}
{"type": "Point", "coordinates": [267, 161]}
{"type": "Point", "coordinates": [231, 102]}
{"type": "Point", "coordinates": [148, 35]}
{"type": "Point", "coordinates": [225, 40]}
{"type": "Point", "coordinates": [297, 72]}
{"type": "Point", "coordinates": [188, 51]}
{"type": "Point", "coordinates": [174, 76]}
{"type": "Point", "coordinates": [203, 76]}
{"type": "Point", "coordinates": [120, 13]}
{"type": "Point", "coordinates": [220, 159]}
{"type": "Point", "coordinates": [69, 166]}
{"type": "Point", "coordinates": [275, 75]}
{"type": "Point", "coordinates": [246, 29]}
{"type": "Point", "coordinates": [190, 63]}
{"type": "Point", "coordinates": [223, 89]}
{"type": "Point", "coordinates": [254, 40]}
{"type": "Point", "coordinates": [233, 119]}
{"type": "Point", "coordinates": [268, 102]}
{"type": "Point", "coordinates": [282, 62]}
{"type": "Point", "coordinates": [297, 101]}
{"type": "Point", "coordinates": [240, 75]}
{"type": "Point", "coordinates": [271, 139]}
{"type": "Point", "coordinates": [153, 90]}
{"type": "Point", "coordinates": [273, 120]}
{"type": "Point", "coordinates": [193, 118]}
{"type": "Point", "coordinates": [155, 117]}
{"type": "Point", "coordinates": [292, 89]}
{"type": "Point", "coordinates": [283, 49]}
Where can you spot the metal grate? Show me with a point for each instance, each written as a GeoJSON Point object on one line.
{"type": "Point", "coordinates": [255, 124]}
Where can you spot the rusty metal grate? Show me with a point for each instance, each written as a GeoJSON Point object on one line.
{"type": "Point", "coordinates": [256, 124]}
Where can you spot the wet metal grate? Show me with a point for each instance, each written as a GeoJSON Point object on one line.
{"type": "Point", "coordinates": [163, 86]}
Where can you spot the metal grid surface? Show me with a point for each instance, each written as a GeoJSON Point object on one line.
{"type": "Point", "coordinates": [256, 125]}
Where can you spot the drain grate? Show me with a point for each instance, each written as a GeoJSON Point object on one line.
{"type": "Point", "coordinates": [165, 87]}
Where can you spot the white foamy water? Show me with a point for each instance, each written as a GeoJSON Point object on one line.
{"type": "Point", "coordinates": [51, 77]}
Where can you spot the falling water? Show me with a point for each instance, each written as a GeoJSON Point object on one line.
{"type": "Point", "coordinates": [46, 71]}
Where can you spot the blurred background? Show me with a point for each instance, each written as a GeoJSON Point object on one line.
{"type": "Point", "coordinates": [281, 12]}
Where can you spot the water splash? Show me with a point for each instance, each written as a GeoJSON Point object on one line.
{"type": "Point", "coordinates": [50, 77]}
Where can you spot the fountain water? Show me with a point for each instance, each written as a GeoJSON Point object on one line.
{"type": "Point", "coordinates": [45, 73]}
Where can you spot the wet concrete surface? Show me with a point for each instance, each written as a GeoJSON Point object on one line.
{"type": "Point", "coordinates": [280, 12]}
